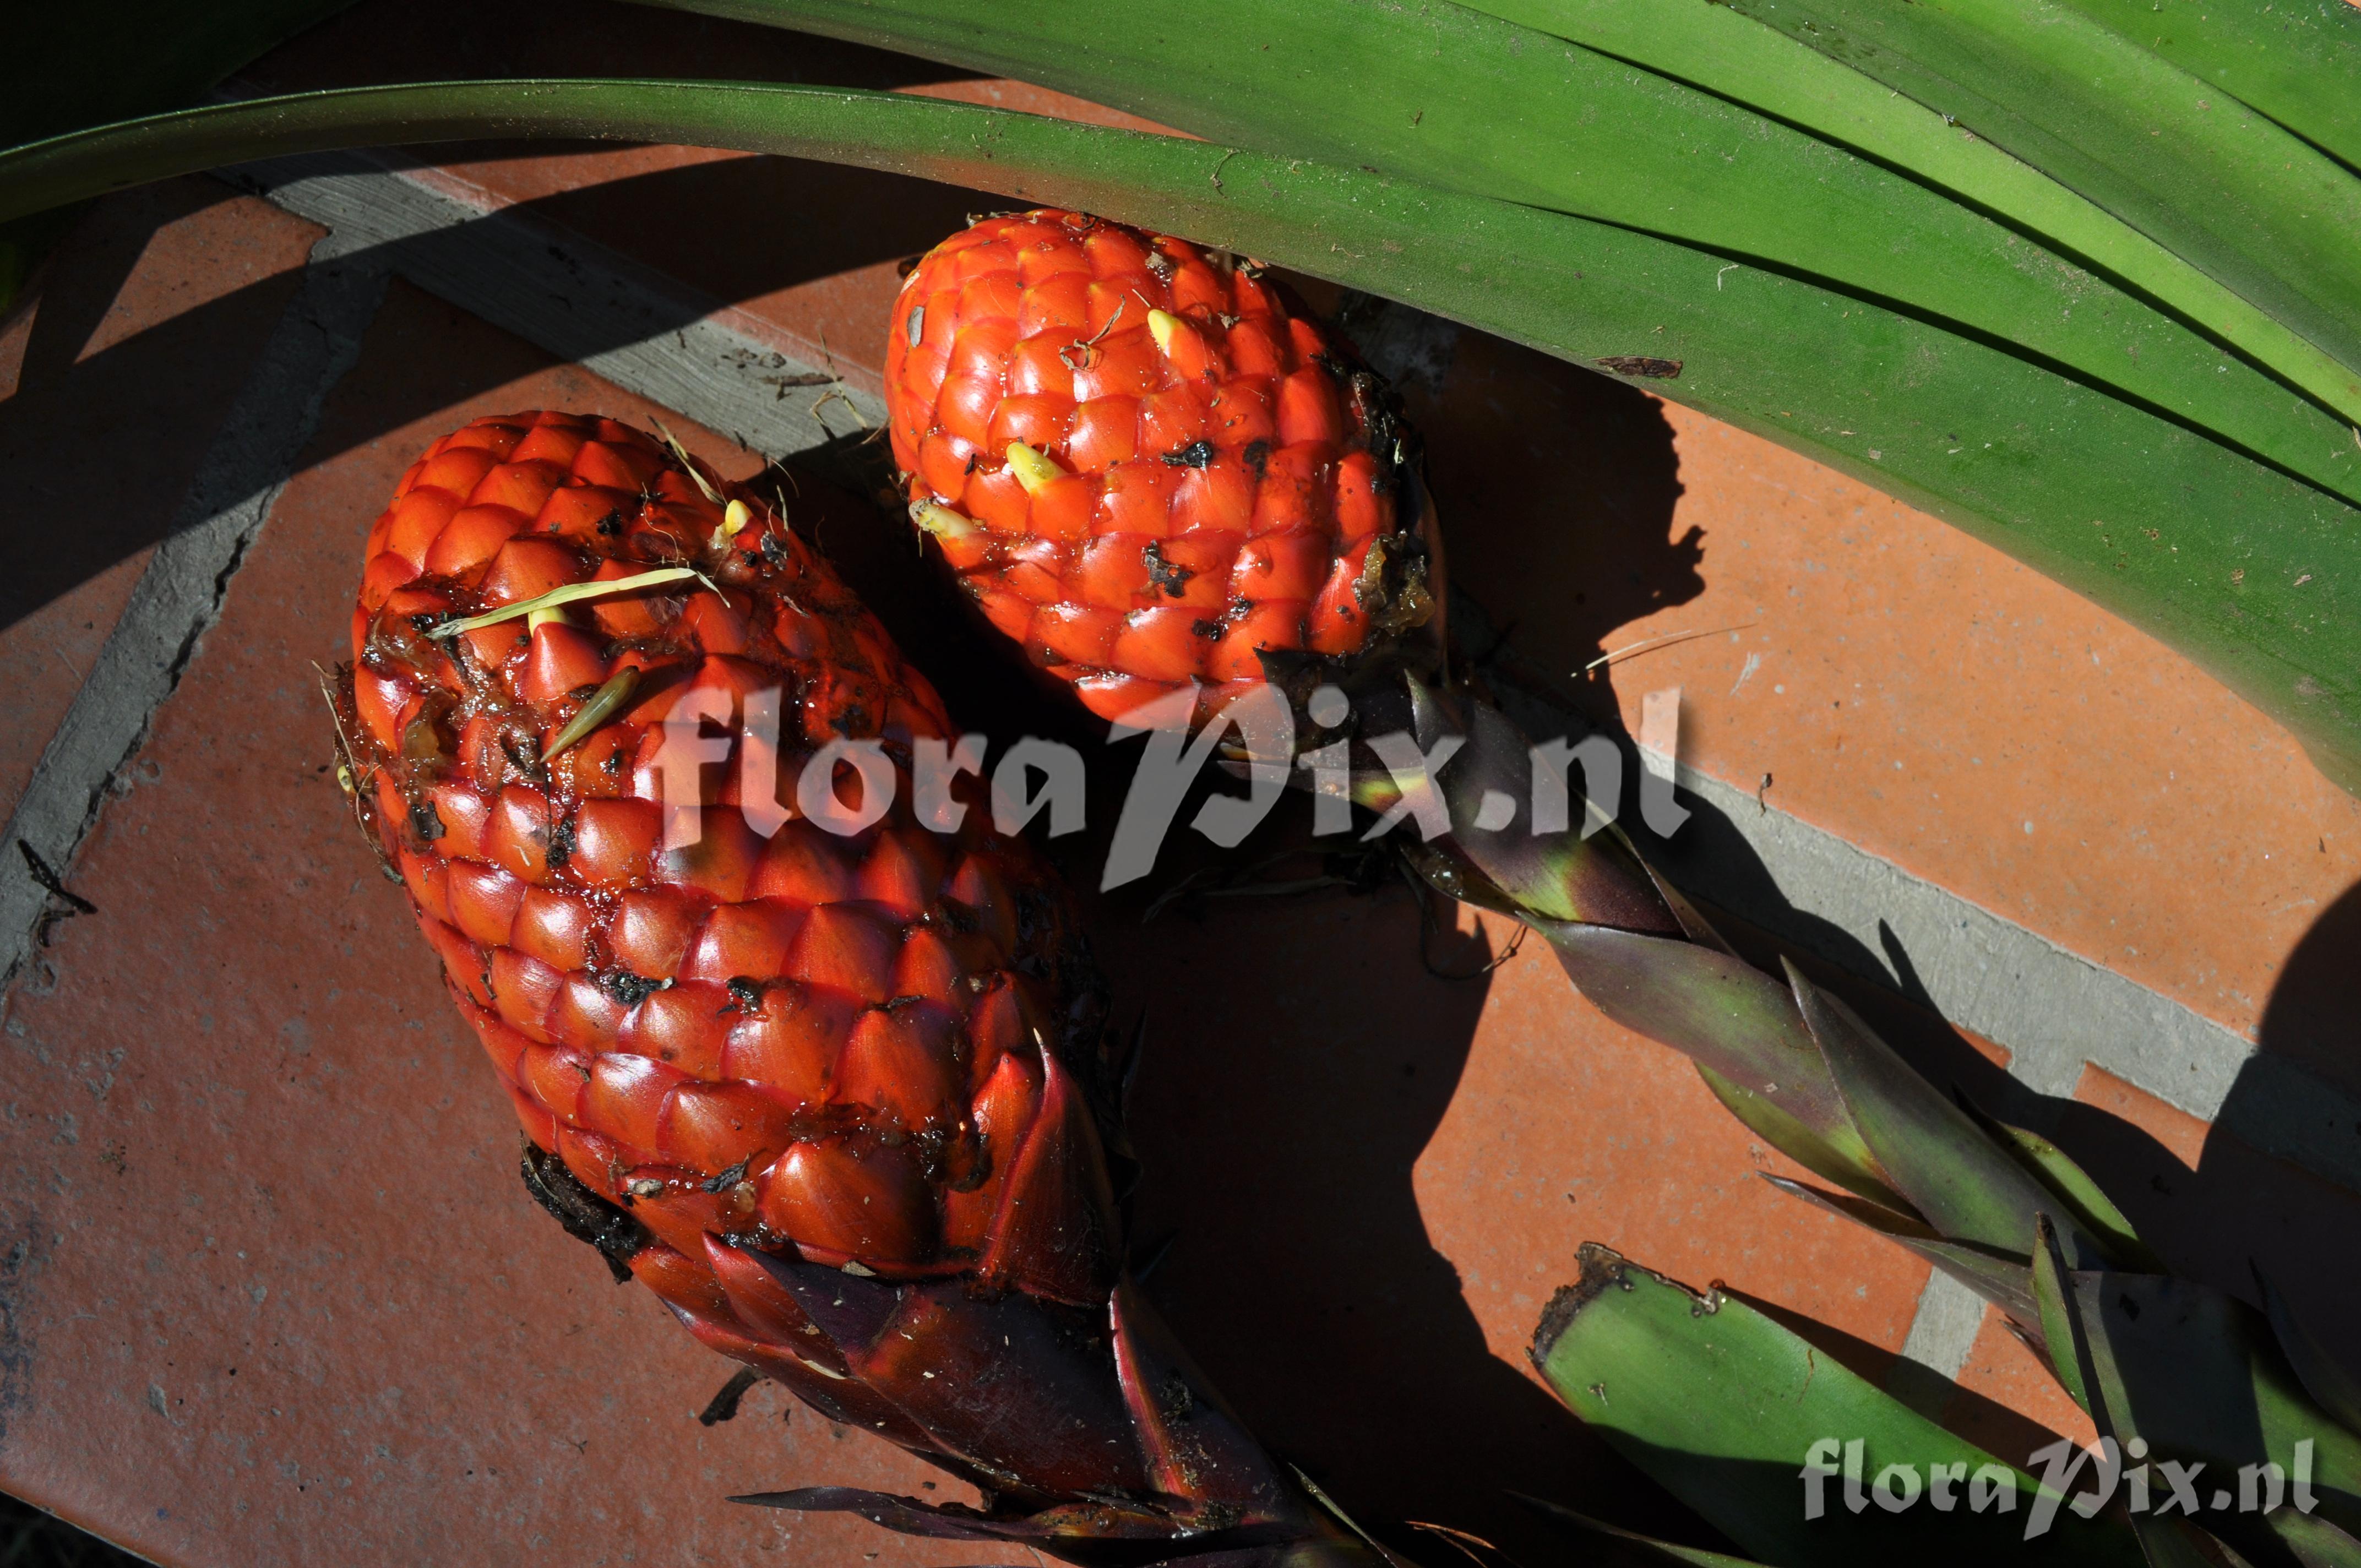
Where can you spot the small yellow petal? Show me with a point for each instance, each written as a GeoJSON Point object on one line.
{"type": "Point", "coordinates": [1159, 327]}
{"type": "Point", "coordinates": [734, 519]}
{"type": "Point", "coordinates": [1033, 470]}
{"type": "Point", "coordinates": [940, 520]}
{"type": "Point", "coordinates": [548, 615]}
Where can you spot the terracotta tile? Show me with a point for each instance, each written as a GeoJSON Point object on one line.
{"type": "Point", "coordinates": [151, 311]}
{"type": "Point", "coordinates": [282, 1297]}
{"type": "Point", "coordinates": [47, 653]}
{"type": "Point", "coordinates": [1956, 713]}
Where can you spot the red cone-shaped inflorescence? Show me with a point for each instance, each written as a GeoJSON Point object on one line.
{"type": "Point", "coordinates": [829, 1094]}
{"type": "Point", "coordinates": [1144, 462]}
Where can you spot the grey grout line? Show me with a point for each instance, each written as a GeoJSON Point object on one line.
{"type": "Point", "coordinates": [2053, 1010]}
{"type": "Point", "coordinates": [313, 344]}
{"type": "Point", "coordinates": [1942, 1335]}
{"type": "Point", "coordinates": [577, 299]}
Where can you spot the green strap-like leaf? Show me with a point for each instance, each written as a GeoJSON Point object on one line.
{"type": "Point", "coordinates": [2296, 61]}
{"type": "Point", "coordinates": [1730, 1019]}
{"type": "Point", "coordinates": [1736, 58]}
{"type": "Point", "coordinates": [1458, 100]}
{"type": "Point", "coordinates": [2254, 575]}
{"type": "Point", "coordinates": [2211, 179]}
{"type": "Point", "coordinates": [2316, 1542]}
{"type": "Point", "coordinates": [1722, 1406]}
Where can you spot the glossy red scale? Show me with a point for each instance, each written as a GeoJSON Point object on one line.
{"type": "Point", "coordinates": [413, 522]}
{"type": "Point", "coordinates": [472, 537]}
{"type": "Point", "coordinates": [562, 660]}
{"type": "Point", "coordinates": [625, 1096]}
{"type": "Point", "coordinates": [743, 940]}
{"type": "Point", "coordinates": [902, 1064]}
{"type": "Point", "coordinates": [554, 1076]}
{"type": "Point", "coordinates": [806, 864]}
{"type": "Point", "coordinates": [847, 947]}
{"type": "Point", "coordinates": [483, 901]}
{"type": "Point", "coordinates": [516, 836]}
{"type": "Point", "coordinates": [387, 572]}
{"type": "Point", "coordinates": [587, 1013]}
{"type": "Point", "coordinates": [1002, 1110]}
{"type": "Point", "coordinates": [712, 1127]}
{"type": "Point", "coordinates": [522, 991]}
{"type": "Point", "coordinates": [788, 1040]}
{"type": "Point", "coordinates": [846, 1199]}
{"type": "Point", "coordinates": [683, 1026]}
{"type": "Point", "coordinates": [613, 840]}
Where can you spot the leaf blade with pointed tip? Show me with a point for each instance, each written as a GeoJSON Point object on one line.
{"type": "Point", "coordinates": [1967, 1187]}
{"type": "Point", "coordinates": [2084, 1201]}
{"type": "Point", "coordinates": [2004, 1282]}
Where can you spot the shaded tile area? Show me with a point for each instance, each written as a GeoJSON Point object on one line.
{"type": "Point", "coordinates": [47, 654]}
{"type": "Point", "coordinates": [280, 1296]}
{"type": "Point", "coordinates": [1372, 1179]}
{"type": "Point", "coordinates": [113, 377]}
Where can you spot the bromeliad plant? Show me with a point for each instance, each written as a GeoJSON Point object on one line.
{"type": "Point", "coordinates": [2076, 278]}
{"type": "Point", "coordinates": [1076, 474]}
